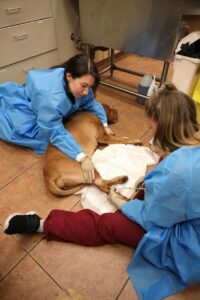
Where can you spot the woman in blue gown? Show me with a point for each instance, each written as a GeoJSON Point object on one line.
{"type": "Point", "coordinates": [32, 114]}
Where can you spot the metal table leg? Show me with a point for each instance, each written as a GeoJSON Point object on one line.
{"type": "Point", "coordinates": [113, 67]}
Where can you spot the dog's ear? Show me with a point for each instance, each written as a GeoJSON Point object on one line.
{"type": "Point", "coordinates": [112, 114]}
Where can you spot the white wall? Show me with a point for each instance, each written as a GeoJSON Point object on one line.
{"type": "Point", "coordinates": [64, 14]}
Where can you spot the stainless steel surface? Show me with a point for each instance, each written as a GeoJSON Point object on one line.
{"type": "Point", "coordinates": [125, 70]}
{"type": "Point", "coordinates": [164, 72]}
{"type": "Point", "coordinates": [122, 89]}
{"type": "Point", "coordinates": [111, 67]}
{"type": "Point", "coordinates": [144, 27]}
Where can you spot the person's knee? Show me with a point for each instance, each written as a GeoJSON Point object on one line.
{"type": "Point", "coordinates": [108, 226]}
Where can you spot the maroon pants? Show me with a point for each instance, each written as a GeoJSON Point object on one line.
{"type": "Point", "coordinates": [86, 227]}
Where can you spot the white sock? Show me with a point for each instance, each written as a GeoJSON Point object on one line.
{"type": "Point", "coordinates": [41, 227]}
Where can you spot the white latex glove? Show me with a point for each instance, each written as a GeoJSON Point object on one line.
{"type": "Point", "coordinates": [108, 130]}
{"type": "Point", "coordinates": [116, 198]}
{"type": "Point", "coordinates": [88, 169]}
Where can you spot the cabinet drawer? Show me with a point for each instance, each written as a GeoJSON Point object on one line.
{"type": "Point", "coordinates": [26, 40]}
{"type": "Point", "coordinates": [14, 12]}
{"type": "Point", "coordinates": [17, 72]}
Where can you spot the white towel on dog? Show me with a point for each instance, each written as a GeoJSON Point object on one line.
{"type": "Point", "coordinates": [116, 160]}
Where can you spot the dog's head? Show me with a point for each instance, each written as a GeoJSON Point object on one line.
{"type": "Point", "coordinates": [112, 114]}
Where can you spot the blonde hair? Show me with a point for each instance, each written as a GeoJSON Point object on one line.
{"type": "Point", "coordinates": [175, 115]}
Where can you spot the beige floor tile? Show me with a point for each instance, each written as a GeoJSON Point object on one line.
{"type": "Point", "coordinates": [128, 292]}
{"type": "Point", "coordinates": [28, 193]}
{"type": "Point", "coordinates": [10, 253]}
{"type": "Point", "coordinates": [38, 156]}
{"type": "Point", "coordinates": [13, 162]}
{"type": "Point", "coordinates": [77, 207]}
{"type": "Point", "coordinates": [97, 272]}
{"type": "Point", "coordinates": [29, 282]}
{"type": "Point", "coordinates": [29, 241]}
{"type": "Point", "coordinates": [147, 137]}
{"type": "Point", "coordinates": [132, 121]}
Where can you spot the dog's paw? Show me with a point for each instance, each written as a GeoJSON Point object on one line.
{"type": "Point", "coordinates": [124, 179]}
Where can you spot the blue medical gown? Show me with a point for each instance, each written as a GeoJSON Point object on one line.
{"type": "Point", "coordinates": [168, 257]}
{"type": "Point", "coordinates": [32, 114]}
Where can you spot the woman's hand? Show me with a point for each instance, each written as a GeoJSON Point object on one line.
{"type": "Point", "coordinates": [117, 199]}
{"type": "Point", "coordinates": [108, 130]}
{"type": "Point", "coordinates": [88, 169]}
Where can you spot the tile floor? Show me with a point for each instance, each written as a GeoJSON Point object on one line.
{"type": "Point", "coordinates": [30, 267]}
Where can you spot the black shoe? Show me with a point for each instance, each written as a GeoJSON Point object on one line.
{"type": "Point", "coordinates": [19, 223]}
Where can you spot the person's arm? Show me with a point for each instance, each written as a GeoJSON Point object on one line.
{"type": "Point", "coordinates": [51, 126]}
{"type": "Point", "coordinates": [89, 103]}
{"type": "Point", "coordinates": [117, 199]}
{"type": "Point", "coordinates": [166, 193]}
{"type": "Point", "coordinates": [48, 99]}
{"type": "Point", "coordinates": [52, 129]}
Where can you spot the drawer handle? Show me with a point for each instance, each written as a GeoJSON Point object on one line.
{"type": "Point", "coordinates": [20, 37]}
{"type": "Point", "coordinates": [15, 10]}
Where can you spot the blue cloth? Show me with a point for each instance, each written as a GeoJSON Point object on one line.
{"type": "Point", "coordinates": [32, 114]}
{"type": "Point", "coordinates": [168, 257]}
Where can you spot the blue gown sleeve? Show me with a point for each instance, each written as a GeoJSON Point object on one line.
{"type": "Point", "coordinates": [166, 195]}
{"type": "Point", "coordinates": [49, 101]}
{"type": "Point", "coordinates": [90, 104]}
{"type": "Point", "coordinates": [51, 127]}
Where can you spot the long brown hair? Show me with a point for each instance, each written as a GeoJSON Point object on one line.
{"type": "Point", "coordinates": [175, 115]}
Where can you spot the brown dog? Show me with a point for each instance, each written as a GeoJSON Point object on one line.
{"type": "Point", "coordinates": [63, 176]}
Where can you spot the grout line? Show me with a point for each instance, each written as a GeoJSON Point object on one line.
{"type": "Point", "coordinates": [34, 245]}
{"type": "Point", "coordinates": [43, 269]}
{"type": "Point", "coordinates": [27, 253]}
{"type": "Point", "coordinates": [1, 279]}
{"type": "Point", "coordinates": [75, 204]}
{"type": "Point", "coordinates": [144, 133]}
{"type": "Point", "coordinates": [19, 175]}
{"type": "Point", "coordinates": [121, 290]}
{"type": "Point", "coordinates": [29, 151]}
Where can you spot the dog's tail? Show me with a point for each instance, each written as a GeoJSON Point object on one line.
{"type": "Point", "coordinates": [57, 191]}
